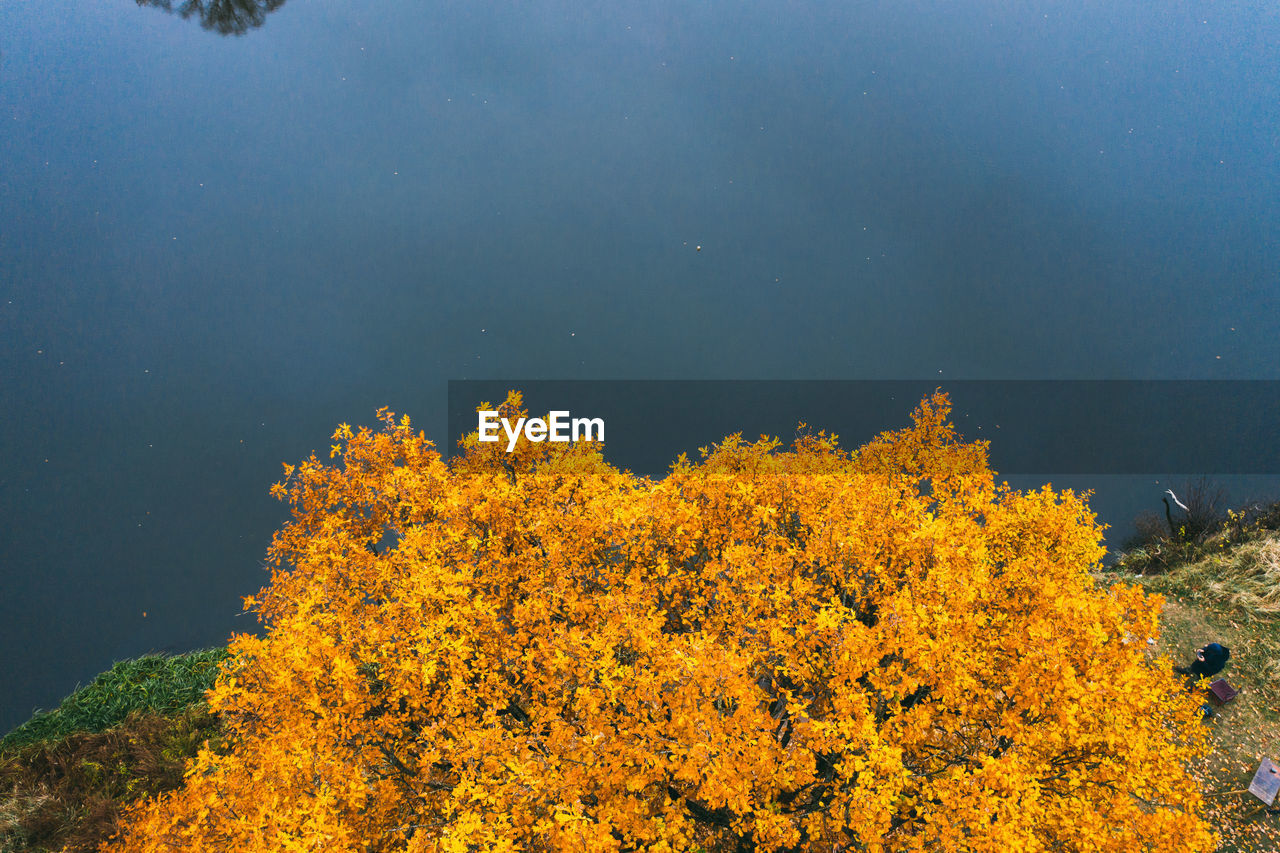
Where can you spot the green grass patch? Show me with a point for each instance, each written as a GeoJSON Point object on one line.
{"type": "Point", "coordinates": [157, 684]}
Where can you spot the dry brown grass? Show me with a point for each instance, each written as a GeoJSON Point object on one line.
{"type": "Point", "coordinates": [68, 794]}
{"type": "Point", "coordinates": [1230, 599]}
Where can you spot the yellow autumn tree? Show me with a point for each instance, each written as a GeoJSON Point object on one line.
{"type": "Point", "coordinates": [766, 650]}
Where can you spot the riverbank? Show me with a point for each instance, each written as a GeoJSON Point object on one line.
{"type": "Point", "coordinates": [67, 775]}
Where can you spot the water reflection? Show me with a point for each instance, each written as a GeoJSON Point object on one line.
{"type": "Point", "coordinates": [225, 17]}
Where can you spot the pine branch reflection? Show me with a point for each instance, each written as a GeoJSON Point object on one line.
{"type": "Point", "coordinates": [225, 17]}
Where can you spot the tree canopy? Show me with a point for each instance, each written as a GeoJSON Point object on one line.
{"type": "Point", "coordinates": [768, 649]}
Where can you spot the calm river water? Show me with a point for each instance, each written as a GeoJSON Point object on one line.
{"type": "Point", "coordinates": [222, 236]}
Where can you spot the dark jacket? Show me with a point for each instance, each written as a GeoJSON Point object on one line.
{"type": "Point", "coordinates": [1209, 661]}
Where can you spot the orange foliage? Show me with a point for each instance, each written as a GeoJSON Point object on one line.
{"type": "Point", "coordinates": [765, 650]}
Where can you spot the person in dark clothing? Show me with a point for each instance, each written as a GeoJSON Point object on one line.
{"type": "Point", "coordinates": [1209, 661]}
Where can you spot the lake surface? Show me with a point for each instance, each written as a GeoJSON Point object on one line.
{"type": "Point", "coordinates": [214, 248]}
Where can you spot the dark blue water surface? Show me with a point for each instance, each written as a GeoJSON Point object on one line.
{"type": "Point", "coordinates": [214, 248]}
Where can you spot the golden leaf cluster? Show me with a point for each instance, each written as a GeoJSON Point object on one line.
{"type": "Point", "coordinates": [767, 649]}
